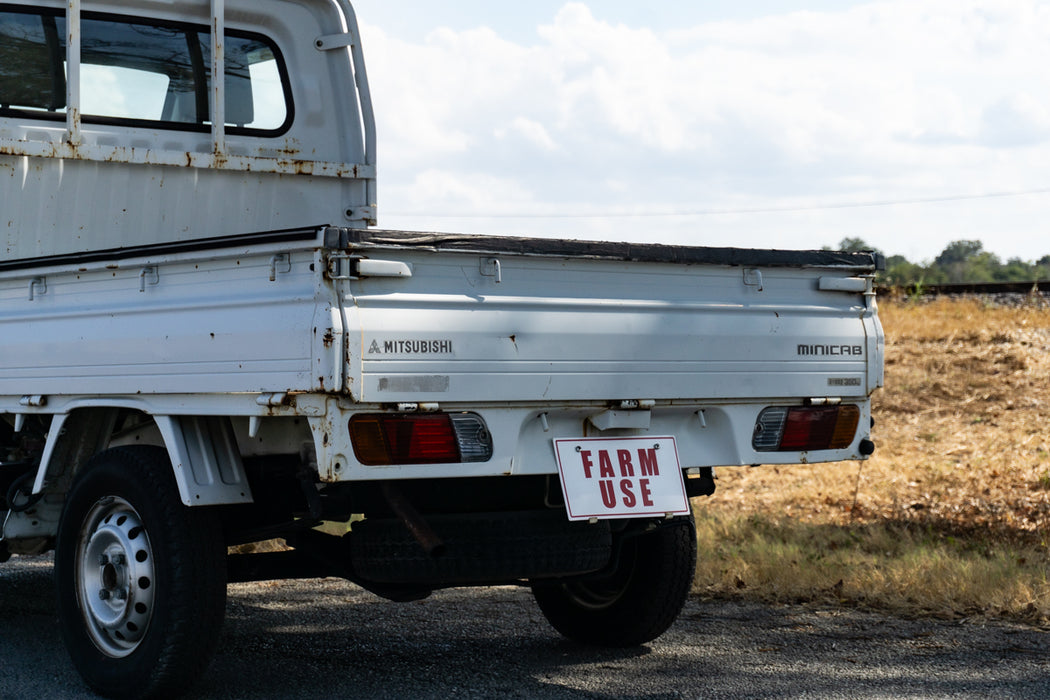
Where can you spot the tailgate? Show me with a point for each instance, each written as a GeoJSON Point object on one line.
{"type": "Point", "coordinates": [470, 326]}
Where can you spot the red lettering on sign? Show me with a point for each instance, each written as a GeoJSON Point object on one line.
{"type": "Point", "coordinates": [608, 495]}
{"type": "Point", "coordinates": [585, 455]}
{"type": "Point", "coordinates": [628, 495]}
{"type": "Point", "coordinates": [605, 466]}
{"type": "Point", "coordinates": [647, 494]}
{"type": "Point", "coordinates": [626, 468]}
{"type": "Point", "coordinates": [647, 462]}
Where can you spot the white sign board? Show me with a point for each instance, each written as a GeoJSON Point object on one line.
{"type": "Point", "coordinates": [631, 477]}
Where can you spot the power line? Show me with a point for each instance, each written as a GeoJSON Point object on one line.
{"type": "Point", "coordinates": [726, 212]}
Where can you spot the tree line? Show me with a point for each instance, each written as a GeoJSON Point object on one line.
{"type": "Point", "coordinates": [960, 261]}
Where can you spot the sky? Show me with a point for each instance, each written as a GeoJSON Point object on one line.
{"type": "Point", "coordinates": [762, 124]}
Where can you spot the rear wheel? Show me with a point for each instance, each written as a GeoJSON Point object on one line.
{"type": "Point", "coordinates": [141, 578]}
{"type": "Point", "coordinates": [637, 601]}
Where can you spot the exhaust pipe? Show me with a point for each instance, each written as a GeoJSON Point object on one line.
{"type": "Point", "coordinates": [420, 528]}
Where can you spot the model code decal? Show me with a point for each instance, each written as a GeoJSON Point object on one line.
{"type": "Point", "coordinates": [832, 350]}
{"type": "Point", "coordinates": [620, 477]}
{"type": "Point", "coordinates": [410, 347]}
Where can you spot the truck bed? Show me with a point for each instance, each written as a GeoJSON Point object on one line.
{"type": "Point", "coordinates": [498, 319]}
{"type": "Point", "coordinates": [478, 319]}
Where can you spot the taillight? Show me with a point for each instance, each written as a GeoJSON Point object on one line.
{"type": "Point", "coordinates": [805, 428]}
{"type": "Point", "coordinates": [410, 438]}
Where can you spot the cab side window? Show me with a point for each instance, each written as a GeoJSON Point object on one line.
{"type": "Point", "coordinates": [31, 60]}
{"type": "Point", "coordinates": [140, 72]}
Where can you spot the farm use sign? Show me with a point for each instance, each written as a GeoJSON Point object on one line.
{"type": "Point", "coordinates": [621, 477]}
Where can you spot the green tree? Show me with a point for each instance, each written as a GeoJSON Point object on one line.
{"type": "Point", "coordinates": [900, 272]}
{"type": "Point", "coordinates": [1016, 270]}
{"type": "Point", "coordinates": [959, 252]}
{"type": "Point", "coordinates": [960, 261]}
{"type": "Point", "coordinates": [856, 245]}
{"type": "Point", "coordinates": [1041, 269]}
{"type": "Point", "coordinates": [967, 261]}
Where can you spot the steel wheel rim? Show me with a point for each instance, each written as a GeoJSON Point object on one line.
{"type": "Point", "coordinates": [602, 593]}
{"type": "Point", "coordinates": [115, 577]}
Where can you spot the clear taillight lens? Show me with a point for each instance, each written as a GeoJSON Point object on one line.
{"type": "Point", "coordinates": [438, 438]}
{"type": "Point", "coordinates": [805, 428]}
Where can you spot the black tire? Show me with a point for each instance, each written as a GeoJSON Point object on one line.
{"type": "Point", "coordinates": [141, 579]}
{"type": "Point", "coordinates": [634, 604]}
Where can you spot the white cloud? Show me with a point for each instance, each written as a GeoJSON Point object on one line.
{"type": "Point", "coordinates": [889, 101]}
{"type": "Point", "coordinates": [531, 131]}
{"type": "Point", "coordinates": [454, 191]}
{"type": "Point", "coordinates": [1014, 121]}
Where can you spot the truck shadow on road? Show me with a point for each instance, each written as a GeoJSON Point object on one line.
{"type": "Point", "coordinates": [334, 639]}
{"type": "Point", "coordinates": [327, 638]}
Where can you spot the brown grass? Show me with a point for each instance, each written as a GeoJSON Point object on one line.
{"type": "Point", "coordinates": [951, 516]}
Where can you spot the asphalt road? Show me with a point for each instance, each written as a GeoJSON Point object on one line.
{"type": "Point", "coordinates": [330, 639]}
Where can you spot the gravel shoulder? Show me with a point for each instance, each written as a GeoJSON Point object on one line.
{"type": "Point", "coordinates": [329, 638]}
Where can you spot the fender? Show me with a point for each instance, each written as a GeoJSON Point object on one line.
{"type": "Point", "coordinates": [203, 452]}
{"type": "Point", "coordinates": [202, 449]}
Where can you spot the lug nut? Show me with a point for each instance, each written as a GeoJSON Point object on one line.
{"type": "Point", "coordinates": [103, 594]}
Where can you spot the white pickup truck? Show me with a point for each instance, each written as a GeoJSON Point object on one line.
{"type": "Point", "coordinates": [204, 343]}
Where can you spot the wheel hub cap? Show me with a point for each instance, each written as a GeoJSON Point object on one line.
{"type": "Point", "coordinates": [116, 577]}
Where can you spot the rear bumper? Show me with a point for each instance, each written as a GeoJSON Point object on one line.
{"type": "Point", "coordinates": [707, 435]}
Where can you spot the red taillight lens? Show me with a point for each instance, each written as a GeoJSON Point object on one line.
{"type": "Point", "coordinates": [403, 439]}
{"type": "Point", "coordinates": [806, 428]}
{"type": "Point", "coordinates": [437, 438]}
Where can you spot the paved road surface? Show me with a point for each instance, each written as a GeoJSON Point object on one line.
{"type": "Point", "coordinates": [330, 639]}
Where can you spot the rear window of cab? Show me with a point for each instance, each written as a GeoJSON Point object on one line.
{"type": "Point", "coordinates": [140, 72]}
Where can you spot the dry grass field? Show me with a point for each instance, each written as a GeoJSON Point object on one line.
{"type": "Point", "coordinates": [950, 517]}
